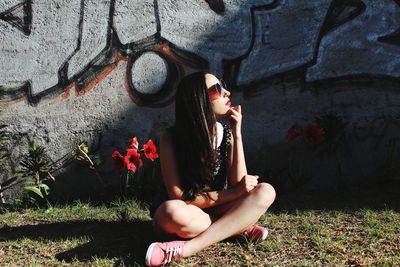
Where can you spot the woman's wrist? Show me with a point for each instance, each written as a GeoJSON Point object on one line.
{"type": "Point", "coordinates": [237, 136]}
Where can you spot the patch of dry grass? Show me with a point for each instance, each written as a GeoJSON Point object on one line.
{"type": "Point", "coordinates": [315, 238]}
{"type": "Point", "coordinates": [118, 235]}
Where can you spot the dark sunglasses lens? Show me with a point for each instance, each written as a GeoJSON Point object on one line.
{"type": "Point", "coordinates": [219, 88]}
{"type": "Point", "coordinates": [223, 83]}
{"type": "Point", "coordinates": [215, 91]}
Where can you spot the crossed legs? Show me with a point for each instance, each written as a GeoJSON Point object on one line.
{"type": "Point", "coordinates": [221, 222]}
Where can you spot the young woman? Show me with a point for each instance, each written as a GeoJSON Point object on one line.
{"type": "Point", "coordinates": [208, 196]}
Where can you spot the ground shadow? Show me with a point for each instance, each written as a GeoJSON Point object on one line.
{"type": "Point", "coordinates": [375, 196]}
{"type": "Point", "coordinates": [126, 241]}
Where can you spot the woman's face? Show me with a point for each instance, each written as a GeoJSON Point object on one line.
{"type": "Point", "coordinates": [219, 96]}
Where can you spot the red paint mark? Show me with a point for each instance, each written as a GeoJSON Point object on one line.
{"type": "Point", "coordinates": [120, 57]}
{"type": "Point", "coordinates": [135, 99]}
{"type": "Point", "coordinates": [140, 103]}
{"type": "Point", "coordinates": [66, 94]}
{"type": "Point", "coordinates": [14, 101]}
{"type": "Point", "coordinates": [166, 50]}
{"type": "Point", "coordinates": [101, 75]}
{"type": "Point", "coordinates": [163, 48]}
{"type": "Point", "coordinates": [182, 66]}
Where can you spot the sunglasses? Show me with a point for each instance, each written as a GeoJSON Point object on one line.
{"type": "Point", "coordinates": [217, 90]}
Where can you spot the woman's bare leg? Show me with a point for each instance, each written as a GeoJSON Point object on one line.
{"type": "Point", "coordinates": [184, 220]}
{"type": "Point", "coordinates": [241, 215]}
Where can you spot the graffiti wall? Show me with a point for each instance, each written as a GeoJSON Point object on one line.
{"type": "Point", "coordinates": [72, 66]}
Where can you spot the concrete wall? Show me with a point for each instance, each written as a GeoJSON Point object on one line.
{"type": "Point", "coordinates": [108, 69]}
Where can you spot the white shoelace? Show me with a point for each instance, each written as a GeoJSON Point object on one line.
{"type": "Point", "coordinates": [172, 252]}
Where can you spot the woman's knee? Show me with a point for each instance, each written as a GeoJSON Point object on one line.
{"type": "Point", "coordinates": [177, 217]}
{"type": "Point", "coordinates": [265, 195]}
{"type": "Point", "coordinates": [173, 212]}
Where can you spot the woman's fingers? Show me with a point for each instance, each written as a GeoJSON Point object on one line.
{"type": "Point", "coordinates": [251, 182]}
{"type": "Point", "coordinates": [238, 108]}
{"type": "Point", "coordinates": [234, 113]}
{"type": "Point", "coordinates": [233, 117]}
{"type": "Point", "coordinates": [235, 110]}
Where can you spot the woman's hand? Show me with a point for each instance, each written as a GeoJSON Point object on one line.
{"type": "Point", "coordinates": [235, 119]}
{"type": "Point", "coordinates": [247, 183]}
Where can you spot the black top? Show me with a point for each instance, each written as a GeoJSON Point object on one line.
{"type": "Point", "coordinates": [219, 181]}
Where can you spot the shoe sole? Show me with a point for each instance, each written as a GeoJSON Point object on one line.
{"type": "Point", "coordinates": [265, 234]}
{"type": "Point", "coordinates": [148, 254]}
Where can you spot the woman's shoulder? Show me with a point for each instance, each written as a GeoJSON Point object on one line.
{"type": "Point", "coordinates": [223, 126]}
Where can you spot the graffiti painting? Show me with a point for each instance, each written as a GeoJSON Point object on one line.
{"type": "Point", "coordinates": [49, 46]}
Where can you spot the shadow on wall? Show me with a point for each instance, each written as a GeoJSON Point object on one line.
{"type": "Point", "coordinates": [375, 195]}
{"type": "Point", "coordinates": [258, 46]}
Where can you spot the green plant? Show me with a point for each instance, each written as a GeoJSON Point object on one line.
{"type": "Point", "coordinates": [36, 170]}
{"type": "Point", "coordinates": [83, 154]}
{"type": "Point", "coordinates": [322, 138]}
{"type": "Point", "coordinates": [333, 126]}
{"type": "Point", "coordinates": [302, 142]}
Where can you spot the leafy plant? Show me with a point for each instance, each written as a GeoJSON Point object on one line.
{"type": "Point", "coordinates": [37, 167]}
{"type": "Point", "coordinates": [83, 154]}
{"type": "Point", "coordinates": [324, 137]}
{"type": "Point", "coordinates": [334, 137]}
{"type": "Point", "coordinates": [37, 164]}
{"type": "Point", "coordinates": [302, 144]}
{"type": "Point", "coordinates": [42, 190]}
{"type": "Point", "coordinates": [333, 126]}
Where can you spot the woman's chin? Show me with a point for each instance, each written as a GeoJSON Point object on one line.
{"type": "Point", "coordinates": [224, 115]}
{"type": "Point", "coordinates": [219, 116]}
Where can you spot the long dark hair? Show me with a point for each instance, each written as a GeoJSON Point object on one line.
{"type": "Point", "coordinates": [193, 134]}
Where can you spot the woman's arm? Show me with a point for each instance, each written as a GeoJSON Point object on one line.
{"type": "Point", "coordinates": [169, 169]}
{"type": "Point", "coordinates": [236, 164]}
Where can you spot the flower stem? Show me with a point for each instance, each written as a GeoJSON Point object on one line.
{"type": "Point", "coordinates": [126, 183]}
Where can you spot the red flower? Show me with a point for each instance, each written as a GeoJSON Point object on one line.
{"type": "Point", "coordinates": [133, 143]}
{"type": "Point", "coordinates": [293, 132]}
{"type": "Point", "coordinates": [150, 150]}
{"type": "Point", "coordinates": [117, 161]}
{"type": "Point", "coordinates": [313, 134]}
{"type": "Point", "coordinates": [132, 160]}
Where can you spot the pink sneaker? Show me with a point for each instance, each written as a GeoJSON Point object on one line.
{"type": "Point", "coordinates": [162, 253]}
{"type": "Point", "coordinates": [255, 233]}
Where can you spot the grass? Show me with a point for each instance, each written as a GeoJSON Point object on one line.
{"type": "Point", "coordinates": [83, 234]}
